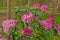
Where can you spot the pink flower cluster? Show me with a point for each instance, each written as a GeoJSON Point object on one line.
{"type": "Point", "coordinates": [7, 24]}
{"type": "Point", "coordinates": [43, 7]}
{"type": "Point", "coordinates": [48, 24]}
{"type": "Point", "coordinates": [27, 31]}
{"type": "Point", "coordinates": [27, 18]}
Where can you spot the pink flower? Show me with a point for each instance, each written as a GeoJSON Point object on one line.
{"type": "Point", "coordinates": [7, 24]}
{"type": "Point", "coordinates": [6, 29]}
{"type": "Point", "coordinates": [51, 17]}
{"type": "Point", "coordinates": [2, 38]}
{"type": "Point", "coordinates": [0, 35]}
{"type": "Point", "coordinates": [44, 7]}
{"type": "Point", "coordinates": [36, 17]}
{"type": "Point", "coordinates": [10, 23]}
{"type": "Point", "coordinates": [56, 26]}
{"type": "Point", "coordinates": [27, 31]}
{"type": "Point", "coordinates": [47, 24]}
{"type": "Point", "coordinates": [13, 23]}
{"type": "Point", "coordinates": [37, 5]}
{"type": "Point", "coordinates": [27, 18]}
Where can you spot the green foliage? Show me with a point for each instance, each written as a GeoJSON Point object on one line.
{"type": "Point", "coordinates": [39, 32]}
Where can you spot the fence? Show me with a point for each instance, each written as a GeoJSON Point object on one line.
{"type": "Point", "coordinates": [6, 6]}
{"type": "Point", "coordinates": [53, 4]}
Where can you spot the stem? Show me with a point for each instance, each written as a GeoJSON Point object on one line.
{"type": "Point", "coordinates": [42, 13]}
{"type": "Point", "coordinates": [8, 9]}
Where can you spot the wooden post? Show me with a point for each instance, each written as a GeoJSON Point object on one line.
{"type": "Point", "coordinates": [20, 2]}
{"type": "Point", "coordinates": [8, 9]}
{"type": "Point", "coordinates": [58, 6]}
{"type": "Point", "coordinates": [28, 3]}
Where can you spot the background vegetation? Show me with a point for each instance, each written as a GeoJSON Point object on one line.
{"type": "Point", "coordinates": [53, 8]}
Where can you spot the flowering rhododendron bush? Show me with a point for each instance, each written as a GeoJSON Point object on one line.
{"type": "Point", "coordinates": [26, 24]}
